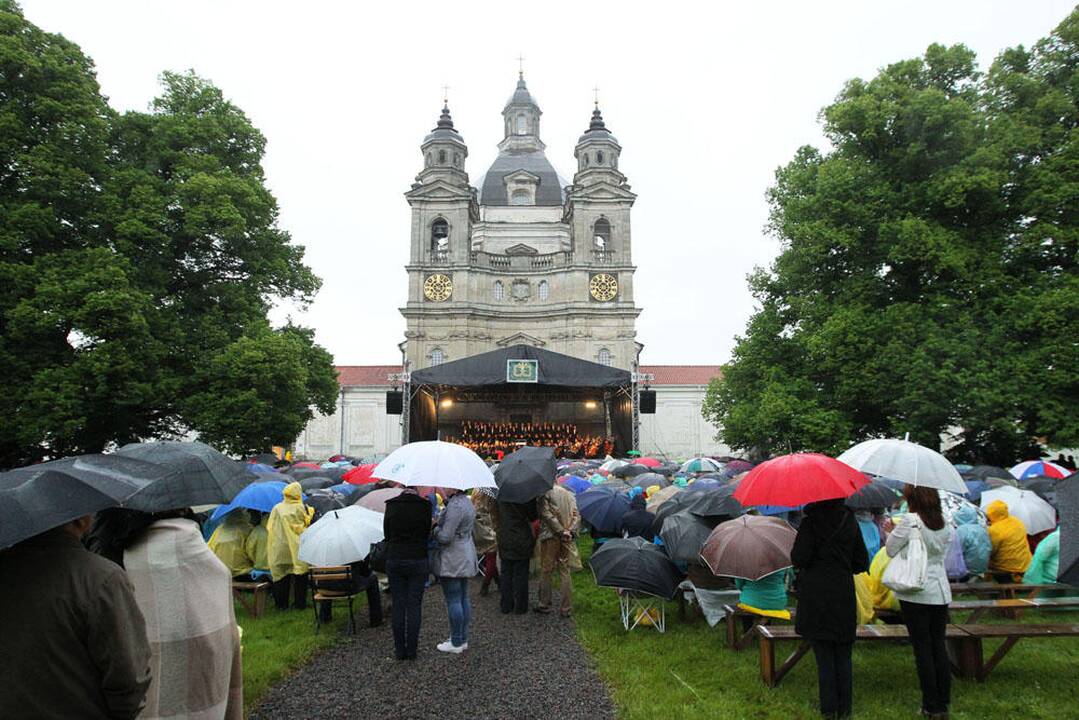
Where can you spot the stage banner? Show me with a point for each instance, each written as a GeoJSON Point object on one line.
{"type": "Point", "coordinates": [522, 371]}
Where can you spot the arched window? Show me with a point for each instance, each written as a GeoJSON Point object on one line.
{"type": "Point", "coordinates": [457, 159]}
{"type": "Point", "coordinates": [441, 157]}
{"type": "Point", "coordinates": [602, 234]}
{"type": "Point", "coordinates": [522, 124]}
{"type": "Point", "coordinates": [543, 290]}
{"type": "Point", "coordinates": [604, 356]}
{"type": "Point", "coordinates": [427, 161]}
{"type": "Point", "coordinates": [437, 356]}
{"type": "Point", "coordinates": [500, 290]}
{"type": "Point", "coordinates": [585, 158]}
{"type": "Point", "coordinates": [521, 197]}
{"type": "Point", "coordinates": [599, 157]}
{"type": "Point", "coordinates": [440, 237]}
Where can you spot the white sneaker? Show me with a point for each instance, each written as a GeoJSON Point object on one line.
{"type": "Point", "coordinates": [448, 647]}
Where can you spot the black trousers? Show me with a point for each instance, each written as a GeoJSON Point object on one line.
{"type": "Point", "coordinates": [407, 580]}
{"type": "Point", "coordinates": [513, 579]}
{"type": "Point", "coordinates": [280, 591]}
{"type": "Point", "coordinates": [926, 625]}
{"type": "Point", "coordinates": [835, 677]}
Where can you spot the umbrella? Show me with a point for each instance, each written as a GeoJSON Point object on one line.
{"type": "Point", "coordinates": [662, 496]}
{"type": "Point", "coordinates": [341, 537]}
{"type": "Point", "coordinates": [984, 472]}
{"type": "Point", "coordinates": [316, 466]}
{"type": "Point", "coordinates": [44, 496]}
{"type": "Point", "coordinates": [950, 504]}
{"type": "Point", "coordinates": [714, 505]}
{"type": "Point", "coordinates": [376, 499]}
{"type": "Point", "coordinates": [433, 462]}
{"type": "Point", "coordinates": [1038, 467]}
{"type": "Point", "coordinates": [335, 472]}
{"type": "Point", "coordinates": [995, 483]}
{"type": "Point", "coordinates": [610, 465]}
{"type": "Point", "coordinates": [1043, 487]}
{"type": "Point", "coordinates": [647, 480]}
{"type": "Point", "coordinates": [683, 536]}
{"type": "Point", "coordinates": [260, 468]}
{"type": "Point", "coordinates": [630, 470]}
{"type": "Point", "coordinates": [649, 462]}
{"type": "Point", "coordinates": [603, 508]}
{"type": "Point", "coordinates": [525, 474]}
{"type": "Point", "coordinates": [360, 475]}
{"type": "Point", "coordinates": [665, 470]}
{"type": "Point", "coordinates": [635, 564]}
{"type": "Point", "coordinates": [324, 501]}
{"type": "Point", "coordinates": [905, 461]}
{"type": "Point", "coordinates": [343, 489]}
{"type": "Point", "coordinates": [206, 477]}
{"type": "Point", "coordinates": [1037, 515]}
{"type": "Point", "coordinates": [975, 488]}
{"type": "Point", "coordinates": [736, 467]}
{"type": "Point", "coordinates": [1068, 497]}
{"type": "Point", "coordinates": [316, 482]}
{"type": "Point", "coordinates": [701, 464]}
{"type": "Point", "coordinates": [798, 479]}
{"type": "Point", "coordinates": [576, 484]}
{"type": "Point", "coordinates": [874, 495]}
{"type": "Point", "coordinates": [261, 496]}
{"type": "Point", "coordinates": [749, 547]}
{"type": "Point", "coordinates": [264, 459]}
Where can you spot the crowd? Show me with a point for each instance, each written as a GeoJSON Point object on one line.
{"type": "Point", "coordinates": [497, 439]}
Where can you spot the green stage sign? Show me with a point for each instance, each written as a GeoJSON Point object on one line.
{"type": "Point", "coordinates": [522, 371]}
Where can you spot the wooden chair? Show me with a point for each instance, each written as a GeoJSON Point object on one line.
{"type": "Point", "coordinates": [322, 582]}
{"type": "Point", "coordinates": [260, 590]}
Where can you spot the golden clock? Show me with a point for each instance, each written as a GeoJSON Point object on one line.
{"type": "Point", "coordinates": [438, 287]}
{"type": "Point", "coordinates": [603, 287]}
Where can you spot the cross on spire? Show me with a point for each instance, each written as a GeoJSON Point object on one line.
{"type": "Point", "coordinates": [521, 65]}
{"type": "Point", "coordinates": [445, 94]}
{"type": "Point", "coordinates": [595, 95]}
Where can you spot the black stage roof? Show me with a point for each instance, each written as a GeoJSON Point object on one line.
{"type": "Point", "coordinates": [489, 368]}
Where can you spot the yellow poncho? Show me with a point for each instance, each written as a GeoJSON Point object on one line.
{"type": "Point", "coordinates": [228, 541]}
{"type": "Point", "coordinates": [1008, 536]}
{"type": "Point", "coordinates": [287, 522]}
{"type": "Point", "coordinates": [257, 540]}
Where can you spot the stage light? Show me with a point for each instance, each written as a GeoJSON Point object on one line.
{"type": "Point", "coordinates": [447, 403]}
{"type": "Point", "coordinates": [590, 404]}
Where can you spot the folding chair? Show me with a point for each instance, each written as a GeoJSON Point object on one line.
{"type": "Point", "coordinates": [325, 582]}
{"type": "Point", "coordinates": [636, 606]}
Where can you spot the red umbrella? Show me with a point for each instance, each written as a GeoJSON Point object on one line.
{"type": "Point", "coordinates": [360, 475]}
{"type": "Point", "coordinates": [649, 462]}
{"type": "Point", "coordinates": [791, 480]}
{"type": "Point", "coordinates": [315, 466]}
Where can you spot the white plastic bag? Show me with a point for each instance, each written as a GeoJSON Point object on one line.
{"type": "Point", "coordinates": [906, 572]}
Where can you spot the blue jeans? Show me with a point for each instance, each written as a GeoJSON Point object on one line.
{"type": "Point", "coordinates": [407, 578]}
{"type": "Point", "coordinates": [460, 610]}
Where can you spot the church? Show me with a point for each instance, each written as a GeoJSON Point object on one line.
{"type": "Point", "coordinates": [520, 319]}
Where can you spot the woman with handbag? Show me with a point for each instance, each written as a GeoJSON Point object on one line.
{"type": "Point", "coordinates": [828, 552]}
{"type": "Point", "coordinates": [921, 539]}
{"type": "Point", "coordinates": [455, 564]}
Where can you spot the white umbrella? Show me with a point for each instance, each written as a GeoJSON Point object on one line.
{"type": "Point", "coordinates": [950, 504]}
{"type": "Point", "coordinates": [435, 463]}
{"type": "Point", "coordinates": [341, 537]}
{"type": "Point", "coordinates": [613, 464]}
{"type": "Point", "coordinates": [906, 462]}
{"type": "Point", "coordinates": [1036, 514]}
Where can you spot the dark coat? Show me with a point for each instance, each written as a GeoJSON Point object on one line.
{"type": "Point", "coordinates": [513, 526]}
{"type": "Point", "coordinates": [407, 526]}
{"type": "Point", "coordinates": [828, 552]}
{"type": "Point", "coordinates": [637, 521]}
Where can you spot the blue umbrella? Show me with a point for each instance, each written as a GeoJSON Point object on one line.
{"type": "Point", "coordinates": [975, 488]}
{"type": "Point", "coordinates": [260, 469]}
{"type": "Point", "coordinates": [261, 496]}
{"type": "Point", "coordinates": [576, 485]}
{"type": "Point", "coordinates": [777, 509]}
{"type": "Point", "coordinates": [603, 507]}
{"type": "Point", "coordinates": [344, 488]}
{"type": "Point", "coordinates": [703, 484]}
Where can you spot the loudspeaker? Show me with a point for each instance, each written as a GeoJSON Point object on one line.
{"type": "Point", "coordinates": [648, 402]}
{"type": "Point", "coordinates": [395, 402]}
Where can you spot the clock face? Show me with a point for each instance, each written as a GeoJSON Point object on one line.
{"type": "Point", "coordinates": [437, 288]}
{"type": "Point", "coordinates": [603, 287]}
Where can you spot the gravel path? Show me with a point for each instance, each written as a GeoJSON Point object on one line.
{"type": "Point", "coordinates": [516, 667]}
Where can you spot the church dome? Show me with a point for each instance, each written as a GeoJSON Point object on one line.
{"type": "Point", "coordinates": [597, 130]}
{"type": "Point", "coordinates": [492, 186]}
{"type": "Point", "coordinates": [521, 96]}
{"type": "Point", "coordinates": [444, 130]}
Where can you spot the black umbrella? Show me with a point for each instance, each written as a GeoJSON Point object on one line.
{"type": "Point", "coordinates": [323, 501]}
{"type": "Point", "coordinates": [1068, 509]}
{"type": "Point", "coordinates": [665, 470]}
{"type": "Point", "coordinates": [683, 535]}
{"type": "Point", "coordinates": [316, 482]}
{"type": "Point", "coordinates": [632, 470]}
{"type": "Point", "coordinates": [525, 474]}
{"type": "Point", "coordinates": [646, 480]}
{"type": "Point", "coordinates": [264, 458]}
{"type": "Point", "coordinates": [984, 472]}
{"type": "Point", "coordinates": [635, 564]}
{"type": "Point", "coordinates": [41, 497]}
{"type": "Point", "coordinates": [1044, 487]}
{"type": "Point", "coordinates": [713, 504]}
{"type": "Point", "coordinates": [204, 476]}
{"type": "Point", "coordinates": [334, 473]}
{"type": "Point", "coordinates": [874, 495]}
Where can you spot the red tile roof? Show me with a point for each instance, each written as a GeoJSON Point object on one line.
{"type": "Point", "coordinates": [682, 374]}
{"type": "Point", "coordinates": [377, 375]}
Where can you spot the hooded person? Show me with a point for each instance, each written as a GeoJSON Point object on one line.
{"type": "Point", "coordinates": [288, 520]}
{"type": "Point", "coordinates": [1046, 561]}
{"type": "Point", "coordinates": [975, 539]}
{"type": "Point", "coordinates": [229, 541]}
{"type": "Point", "coordinates": [637, 521]}
{"type": "Point", "coordinates": [255, 547]}
{"type": "Point", "coordinates": [1010, 554]}
{"type": "Point", "coordinates": [880, 594]}
{"type": "Point", "coordinates": [870, 531]}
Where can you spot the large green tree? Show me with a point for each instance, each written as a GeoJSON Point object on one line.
{"type": "Point", "coordinates": [138, 254]}
{"type": "Point", "coordinates": [927, 274]}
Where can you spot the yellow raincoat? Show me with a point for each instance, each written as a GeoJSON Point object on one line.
{"type": "Point", "coordinates": [883, 597]}
{"type": "Point", "coordinates": [288, 520]}
{"type": "Point", "coordinates": [257, 540]}
{"type": "Point", "coordinates": [228, 541]}
{"type": "Point", "coordinates": [1008, 537]}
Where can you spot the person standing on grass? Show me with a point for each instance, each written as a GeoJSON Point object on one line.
{"type": "Point", "coordinates": [559, 520]}
{"type": "Point", "coordinates": [828, 551]}
{"type": "Point", "coordinates": [513, 526]}
{"type": "Point", "coordinates": [288, 520]}
{"type": "Point", "coordinates": [925, 611]}
{"type": "Point", "coordinates": [407, 527]}
{"type": "Point", "coordinates": [455, 565]}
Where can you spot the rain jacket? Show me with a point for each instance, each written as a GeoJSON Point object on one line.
{"type": "Point", "coordinates": [975, 539]}
{"type": "Point", "coordinates": [882, 595]}
{"type": "Point", "coordinates": [557, 512]}
{"type": "Point", "coordinates": [937, 589]}
{"type": "Point", "coordinates": [456, 554]}
{"type": "Point", "coordinates": [637, 521]}
{"type": "Point", "coordinates": [870, 532]}
{"type": "Point", "coordinates": [483, 534]}
{"type": "Point", "coordinates": [768, 593]}
{"type": "Point", "coordinates": [1046, 561]}
{"type": "Point", "coordinates": [513, 524]}
{"type": "Point", "coordinates": [255, 545]}
{"type": "Point", "coordinates": [229, 540]}
{"type": "Point", "coordinates": [1008, 537]}
{"type": "Point", "coordinates": [288, 520]}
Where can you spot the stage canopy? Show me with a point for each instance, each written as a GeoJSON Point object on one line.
{"type": "Point", "coordinates": [493, 368]}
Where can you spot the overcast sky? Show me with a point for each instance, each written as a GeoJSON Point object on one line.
{"type": "Point", "coordinates": [707, 100]}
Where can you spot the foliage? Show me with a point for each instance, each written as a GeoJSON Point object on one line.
{"type": "Point", "coordinates": [927, 278]}
{"type": "Point", "coordinates": [139, 255]}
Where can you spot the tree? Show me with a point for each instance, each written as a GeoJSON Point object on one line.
{"type": "Point", "coordinates": [927, 277]}
{"type": "Point", "coordinates": [139, 255]}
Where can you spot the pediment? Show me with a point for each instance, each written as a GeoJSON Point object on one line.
{"type": "Point", "coordinates": [521, 249]}
{"type": "Point", "coordinates": [520, 338]}
{"type": "Point", "coordinates": [603, 191]}
{"type": "Point", "coordinates": [521, 176]}
{"type": "Point", "coordinates": [438, 190]}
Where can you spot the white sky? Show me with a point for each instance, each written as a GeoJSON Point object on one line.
{"type": "Point", "coordinates": [707, 100]}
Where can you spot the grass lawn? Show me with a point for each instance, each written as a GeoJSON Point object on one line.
{"type": "Point", "coordinates": [277, 643]}
{"type": "Point", "coordinates": [688, 672]}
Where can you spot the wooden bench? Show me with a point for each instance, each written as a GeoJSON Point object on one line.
{"type": "Point", "coordinates": [740, 638]}
{"type": "Point", "coordinates": [1004, 590]}
{"type": "Point", "coordinates": [256, 605]}
{"type": "Point", "coordinates": [770, 636]}
{"type": "Point", "coordinates": [1009, 606]}
{"type": "Point", "coordinates": [966, 653]}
